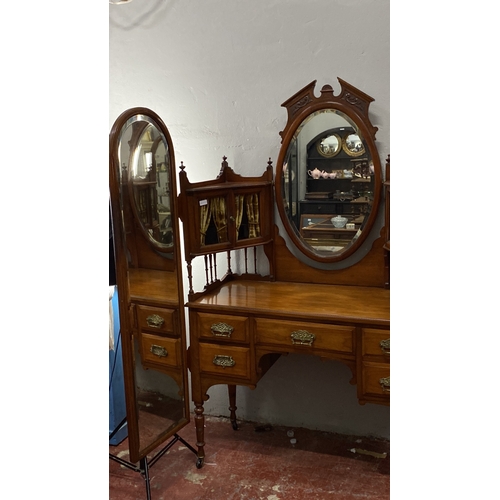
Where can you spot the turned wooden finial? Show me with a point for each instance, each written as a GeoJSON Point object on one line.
{"type": "Point", "coordinates": [182, 167]}
{"type": "Point", "coordinates": [270, 162]}
{"type": "Point", "coordinates": [327, 89]}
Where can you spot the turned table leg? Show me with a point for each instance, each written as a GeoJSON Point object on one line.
{"type": "Point", "coordinates": [232, 405]}
{"type": "Point", "coordinates": [199, 422]}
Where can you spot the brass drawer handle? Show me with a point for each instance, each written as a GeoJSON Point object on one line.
{"type": "Point", "coordinates": [155, 321]}
{"type": "Point", "coordinates": [224, 361]}
{"type": "Point", "coordinates": [302, 337]}
{"type": "Point", "coordinates": [385, 346]}
{"type": "Point", "coordinates": [385, 383]}
{"type": "Point", "coordinates": [221, 330]}
{"type": "Point", "coordinates": [159, 351]}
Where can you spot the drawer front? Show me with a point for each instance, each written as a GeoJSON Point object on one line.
{"type": "Point", "coordinates": [223, 328]}
{"type": "Point", "coordinates": [375, 342]}
{"type": "Point", "coordinates": [224, 360]}
{"type": "Point", "coordinates": [161, 350]}
{"type": "Point", "coordinates": [318, 208]}
{"type": "Point", "coordinates": [155, 318]}
{"type": "Point", "coordinates": [376, 379]}
{"type": "Point", "coordinates": [306, 335]}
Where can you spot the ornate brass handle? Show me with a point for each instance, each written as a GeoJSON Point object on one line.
{"type": "Point", "coordinates": [385, 383]}
{"type": "Point", "coordinates": [159, 351]}
{"type": "Point", "coordinates": [221, 329]}
{"type": "Point", "coordinates": [385, 346]}
{"type": "Point", "coordinates": [302, 337]}
{"type": "Point", "coordinates": [224, 361]}
{"type": "Point", "coordinates": [155, 321]}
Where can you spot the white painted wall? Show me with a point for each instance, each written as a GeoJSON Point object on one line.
{"type": "Point", "coordinates": [217, 72]}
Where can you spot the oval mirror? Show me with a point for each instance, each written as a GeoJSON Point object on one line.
{"type": "Point", "coordinates": [146, 162]}
{"type": "Point", "coordinates": [328, 173]}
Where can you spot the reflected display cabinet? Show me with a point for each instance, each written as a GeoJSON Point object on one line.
{"type": "Point", "coordinates": [339, 176]}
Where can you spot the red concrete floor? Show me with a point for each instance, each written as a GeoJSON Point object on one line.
{"type": "Point", "coordinates": [253, 464]}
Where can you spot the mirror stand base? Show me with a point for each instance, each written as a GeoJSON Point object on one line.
{"type": "Point", "coordinates": [144, 464]}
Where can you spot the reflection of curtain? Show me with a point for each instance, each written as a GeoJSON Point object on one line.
{"type": "Point", "coordinates": [239, 211]}
{"type": "Point", "coordinates": [218, 209]}
{"type": "Point", "coordinates": [252, 203]}
{"type": "Point", "coordinates": [204, 222]}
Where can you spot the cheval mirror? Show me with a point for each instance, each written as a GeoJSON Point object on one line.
{"type": "Point", "coordinates": [328, 174]}
{"type": "Point", "coordinates": [149, 282]}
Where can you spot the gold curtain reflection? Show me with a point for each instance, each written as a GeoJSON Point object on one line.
{"type": "Point", "coordinates": [204, 221]}
{"type": "Point", "coordinates": [218, 209]}
{"type": "Point", "coordinates": [239, 199]}
{"type": "Point", "coordinates": [252, 205]}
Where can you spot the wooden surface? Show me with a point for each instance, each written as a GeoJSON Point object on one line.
{"type": "Point", "coordinates": [333, 303]}
{"type": "Point", "coordinates": [369, 272]}
{"type": "Point", "coordinates": [153, 286]}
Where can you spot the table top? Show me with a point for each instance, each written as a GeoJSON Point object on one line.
{"type": "Point", "coordinates": [339, 303]}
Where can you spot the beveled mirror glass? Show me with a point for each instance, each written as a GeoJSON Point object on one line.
{"type": "Point", "coordinates": [149, 279]}
{"type": "Point", "coordinates": [328, 173]}
{"type": "Point", "coordinates": [145, 161]}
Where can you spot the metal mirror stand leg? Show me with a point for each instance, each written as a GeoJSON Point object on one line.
{"type": "Point", "coordinates": [144, 465]}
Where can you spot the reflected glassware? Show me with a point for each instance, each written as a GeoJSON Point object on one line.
{"type": "Point", "coordinates": [338, 221]}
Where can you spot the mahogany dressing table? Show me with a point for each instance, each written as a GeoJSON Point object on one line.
{"type": "Point", "coordinates": [274, 296]}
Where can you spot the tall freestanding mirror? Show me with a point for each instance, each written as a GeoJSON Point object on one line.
{"type": "Point", "coordinates": [149, 281]}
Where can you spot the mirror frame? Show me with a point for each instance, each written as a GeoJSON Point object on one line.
{"type": "Point", "coordinates": [353, 103]}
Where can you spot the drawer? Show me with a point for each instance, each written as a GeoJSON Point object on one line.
{"type": "Point", "coordinates": [223, 328]}
{"type": "Point", "coordinates": [224, 360]}
{"type": "Point", "coordinates": [318, 208]}
{"type": "Point", "coordinates": [161, 350]}
{"type": "Point", "coordinates": [155, 318]}
{"type": "Point", "coordinates": [376, 379]}
{"type": "Point", "coordinates": [375, 342]}
{"type": "Point", "coordinates": [306, 335]}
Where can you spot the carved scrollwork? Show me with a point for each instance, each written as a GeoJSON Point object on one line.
{"type": "Point", "coordinates": [221, 330]}
{"type": "Point", "coordinates": [352, 99]}
{"type": "Point", "coordinates": [159, 351]}
{"type": "Point", "coordinates": [155, 321]}
{"type": "Point", "coordinates": [224, 361]}
{"type": "Point", "coordinates": [302, 337]}
{"type": "Point", "coordinates": [300, 104]}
